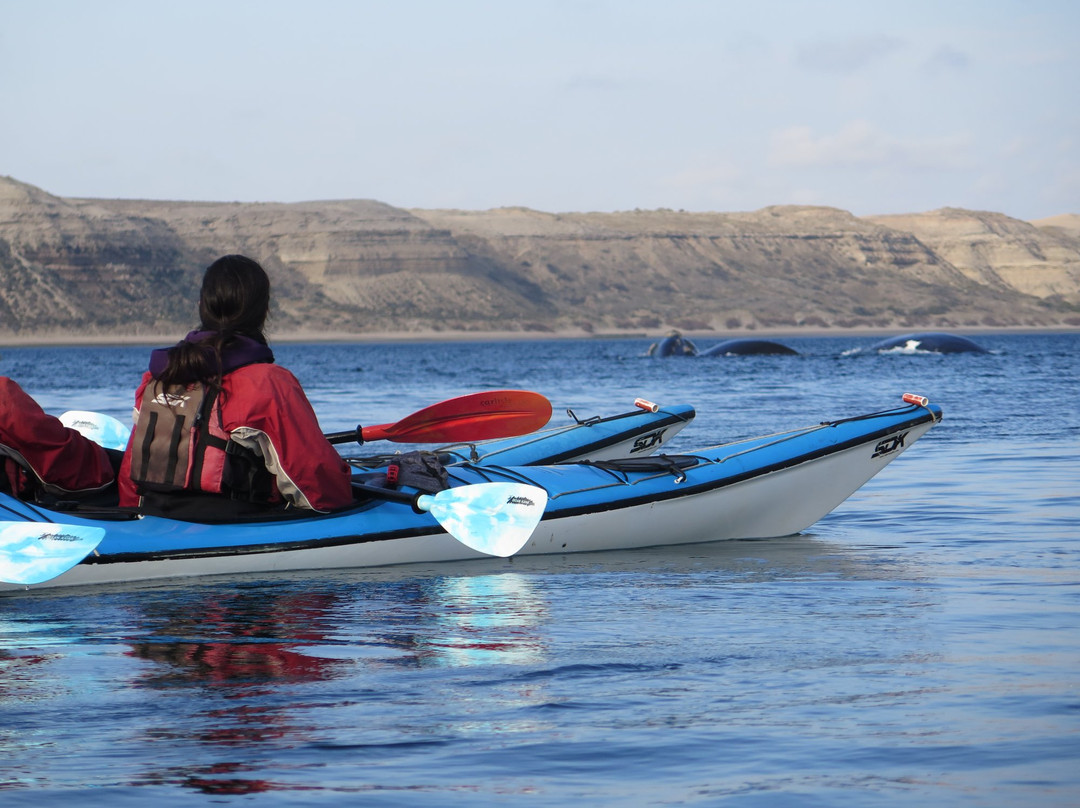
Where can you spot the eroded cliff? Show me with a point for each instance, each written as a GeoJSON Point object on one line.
{"type": "Point", "coordinates": [131, 267]}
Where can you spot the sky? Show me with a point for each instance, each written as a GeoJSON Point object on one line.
{"type": "Point", "coordinates": [557, 105]}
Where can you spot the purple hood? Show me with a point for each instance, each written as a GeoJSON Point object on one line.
{"type": "Point", "coordinates": [239, 351]}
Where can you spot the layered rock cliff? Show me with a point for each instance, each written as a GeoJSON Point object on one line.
{"type": "Point", "coordinates": [131, 267]}
{"type": "Point", "coordinates": [66, 267]}
{"type": "Point", "coordinates": [998, 252]}
{"type": "Point", "coordinates": [779, 267]}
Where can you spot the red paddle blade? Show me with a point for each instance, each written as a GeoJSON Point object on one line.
{"type": "Point", "coordinates": [477, 416]}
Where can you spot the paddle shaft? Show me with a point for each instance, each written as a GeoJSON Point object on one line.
{"type": "Point", "coordinates": [465, 419]}
{"type": "Point", "coordinates": [390, 494]}
{"type": "Point", "coordinates": [349, 436]}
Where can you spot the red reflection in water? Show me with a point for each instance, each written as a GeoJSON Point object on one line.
{"type": "Point", "coordinates": [243, 640]}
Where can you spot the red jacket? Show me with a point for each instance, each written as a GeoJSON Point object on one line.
{"type": "Point", "coordinates": [264, 404]}
{"type": "Point", "coordinates": [61, 458]}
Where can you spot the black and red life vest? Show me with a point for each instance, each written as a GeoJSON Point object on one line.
{"type": "Point", "coordinates": [261, 407]}
{"type": "Point", "coordinates": [181, 445]}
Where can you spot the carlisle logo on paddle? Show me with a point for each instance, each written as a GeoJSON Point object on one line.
{"type": "Point", "coordinates": [889, 445]}
{"type": "Point", "coordinates": [528, 503]}
{"type": "Point", "coordinates": [62, 537]}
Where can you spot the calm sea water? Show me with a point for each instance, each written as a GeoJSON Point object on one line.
{"type": "Point", "coordinates": [920, 646]}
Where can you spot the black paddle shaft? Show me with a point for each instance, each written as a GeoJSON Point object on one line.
{"type": "Point", "coordinates": [389, 494]}
{"type": "Point", "coordinates": [347, 437]}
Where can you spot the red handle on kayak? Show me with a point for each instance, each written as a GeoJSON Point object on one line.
{"type": "Point", "coordinates": [477, 416]}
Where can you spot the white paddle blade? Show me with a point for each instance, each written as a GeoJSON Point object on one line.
{"type": "Point", "coordinates": [492, 518]}
{"type": "Point", "coordinates": [103, 429]}
{"type": "Point", "coordinates": [34, 552]}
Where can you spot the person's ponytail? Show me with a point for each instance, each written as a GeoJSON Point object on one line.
{"type": "Point", "coordinates": [192, 361]}
{"type": "Point", "coordinates": [234, 301]}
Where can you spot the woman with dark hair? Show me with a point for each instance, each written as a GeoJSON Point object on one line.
{"type": "Point", "coordinates": [220, 430]}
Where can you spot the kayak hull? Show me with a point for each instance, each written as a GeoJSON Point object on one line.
{"type": "Point", "coordinates": [770, 486]}
{"type": "Point", "coordinates": [777, 503]}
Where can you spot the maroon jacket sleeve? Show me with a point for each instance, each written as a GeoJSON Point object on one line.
{"type": "Point", "coordinates": [58, 455]}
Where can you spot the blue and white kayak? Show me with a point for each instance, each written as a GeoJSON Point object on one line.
{"type": "Point", "coordinates": [774, 485]}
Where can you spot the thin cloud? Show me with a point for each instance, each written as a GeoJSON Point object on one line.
{"type": "Point", "coordinates": [946, 59]}
{"type": "Point", "coordinates": [860, 144]}
{"type": "Point", "coordinates": [705, 174]}
{"type": "Point", "coordinates": [706, 184]}
{"type": "Point", "coordinates": [594, 83]}
{"type": "Point", "coordinates": [848, 55]}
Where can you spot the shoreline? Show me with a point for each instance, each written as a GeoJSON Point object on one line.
{"type": "Point", "coordinates": [60, 340]}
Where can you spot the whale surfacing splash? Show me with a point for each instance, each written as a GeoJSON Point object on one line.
{"type": "Point", "coordinates": [927, 342]}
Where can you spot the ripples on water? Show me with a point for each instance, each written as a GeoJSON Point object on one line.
{"type": "Point", "coordinates": [918, 646]}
